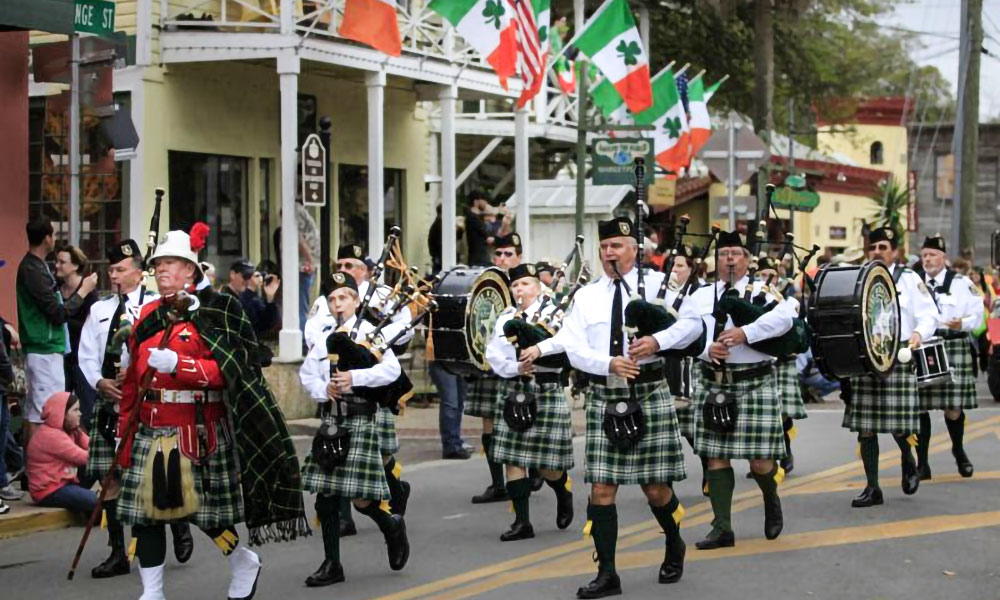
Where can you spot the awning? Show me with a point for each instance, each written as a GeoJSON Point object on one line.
{"type": "Point", "coordinates": [558, 197]}
{"type": "Point", "coordinates": [54, 16]}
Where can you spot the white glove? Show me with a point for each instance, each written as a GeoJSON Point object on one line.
{"type": "Point", "coordinates": [164, 361]}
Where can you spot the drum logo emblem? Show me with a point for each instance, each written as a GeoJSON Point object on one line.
{"type": "Point", "coordinates": [880, 318]}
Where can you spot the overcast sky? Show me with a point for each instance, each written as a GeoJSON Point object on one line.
{"type": "Point", "coordinates": [939, 20]}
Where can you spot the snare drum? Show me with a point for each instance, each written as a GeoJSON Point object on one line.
{"type": "Point", "coordinates": [931, 361]}
{"type": "Point", "coordinates": [854, 315]}
{"type": "Point", "coordinates": [469, 301]}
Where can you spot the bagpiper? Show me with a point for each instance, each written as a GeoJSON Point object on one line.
{"type": "Point", "coordinates": [211, 447]}
{"type": "Point", "coordinates": [102, 364]}
{"type": "Point", "coordinates": [891, 405]}
{"type": "Point", "coordinates": [632, 432]}
{"type": "Point", "coordinates": [534, 428]}
{"type": "Point", "coordinates": [961, 310]}
{"type": "Point", "coordinates": [358, 475]}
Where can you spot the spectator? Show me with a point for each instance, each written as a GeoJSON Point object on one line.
{"type": "Point", "coordinates": [246, 284]}
{"type": "Point", "coordinates": [55, 452]}
{"type": "Point", "coordinates": [71, 269]}
{"type": "Point", "coordinates": [208, 270]}
{"type": "Point", "coordinates": [7, 491]}
{"type": "Point", "coordinates": [451, 391]}
{"type": "Point", "coordinates": [434, 243]}
{"type": "Point", "coordinates": [477, 235]}
{"type": "Point", "coordinates": [11, 454]}
{"type": "Point", "coordinates": [309, 255]}
{"type": "Point", "coordinates": [41, 321]}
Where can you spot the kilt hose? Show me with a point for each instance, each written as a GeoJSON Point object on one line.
{"type": "Point", "coordinates": [957, 394]}
{"type": "Point", "coordinates": [388, 442]}
{"type": "Point", "coordinates": [548, 444]}
{"type": "Point", "coordinates": [221, 503]}
{"type": "Point", "coordinates": [101, 453]}
{"type": "Point", "coordinates": [362, 476]}
{"type": "Point", "coordinates": [657, 458]}
{"type": "Point", "coordinates": [758, 433]}
{"type": "Point", "coordinates": [482, 397]}
{"type": "Point", "coordinates": [786, 377]}
{"type": "Point", "coordinates": [891, 405]}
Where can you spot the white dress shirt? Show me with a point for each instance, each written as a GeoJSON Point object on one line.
{"type": "Point", "coordinates": [501, 354]}
{"type": "Point", "coordinates": [917, 309]}
{"type": "Point", "coordinates": [315, 371]}
{"type": "Point", "coordinates": [961, 302]}
{"type": "Point", "coordinates": [94, 335]}
{"type": "Point", "coordinates": [321, 308]}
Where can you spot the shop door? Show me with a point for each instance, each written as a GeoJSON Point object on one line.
{"type": "Point", "coordinates": [352, 186]}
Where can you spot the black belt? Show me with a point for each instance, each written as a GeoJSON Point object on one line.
{"type": "Point", "coordinates": [732, 376]}
{"type": "Point", "coordinates": [650, 373]}
{"type": "Point", "coordinates": [548, 378]}
{"type": "Point", "coordinates": [352, 406]}
{"type": "Point", "coordinates": [950, 334]}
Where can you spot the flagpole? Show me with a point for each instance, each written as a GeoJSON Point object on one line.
{"type": "Point", "coordinates": [696, 77]}
{"type": "Point", "coordinates": [581, 145]}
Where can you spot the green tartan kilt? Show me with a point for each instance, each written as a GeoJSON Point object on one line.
{"type": "Point", "coordinates": [101, 453]}
{"type": "Point", "coordinates": [221, 505]}
{"type": "Point", "coordinates": [481, 399]}
{"type": "Point", "coordinates": [960, 393]}
{"type": "Point", "coordinates": [657, 458]}
{"type": "Point", "coordinates": [362, 476]}
{"type": "Point", "coordinates": [388, 443]}
{"type": "Point", "coordinates": [548, 444]}
{"type": "Point", "coordinates": [686, 416]}
{"type": "Point", "coordinates": [884, 406]}
{"type": "Point", "coordinates": [758, 433]}
{"type": "Point", "coordinates": [786, 377]}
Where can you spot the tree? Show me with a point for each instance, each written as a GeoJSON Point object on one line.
{"type": "Point", "coordinates": [893, 200]}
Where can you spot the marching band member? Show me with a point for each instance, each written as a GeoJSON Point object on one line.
{"type": "Point", "coordinates": [626, 390]}
{"type": "Point", "coordinates": [891, 405]}
{"type": "Point", "coordinates": [360, 479]}
{"type": "Point", "coordinates": [961, 306]}
{"type": "Point", "coordinates": [545, 443]}
{"type": "Point", "coordinates": [104, 373]}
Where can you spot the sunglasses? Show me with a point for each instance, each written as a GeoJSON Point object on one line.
{"type": "Point", "coordinates": [342, 266]}
{"type": "Point", "coordinates": [507, 253]}
{"type": "Point", "coordinates": [879, 247]}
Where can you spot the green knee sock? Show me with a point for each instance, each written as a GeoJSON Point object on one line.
{"type": "Point", "coordinates": [669, 517]}
{"type": "Point", "coordinates": [924, 438]}
{"type": "Point", "coordinates": [496, 469]}
{"type": "Point", "coordinates": [519, 490]}
{"type": "Point", "coordinates": [721, 483]}
{"type": "Point", "coordinates": [559, 486]}
{"type": "Point", "coordinates": [869, 457]}
{"type": "Point", "coordinates": [956, 430]}
{"type": "Point", "coordinates": [150, 545]}
{"type": "Point", "coordinates": [902, 440]}
{"type": "Point", "coordinates": [766, 482]}
{"type": "Point", "coordinates": [381, 518]}
{"type": "Point", "coordinates": [604, 530]}
{"type": "Point", "coordinates": [345, 509]}
{"type": "Point", "coordinates": [328, 512]}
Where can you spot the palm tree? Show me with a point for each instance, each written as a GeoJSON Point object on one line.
{"type": "Point", "coordinates": [893, 201]}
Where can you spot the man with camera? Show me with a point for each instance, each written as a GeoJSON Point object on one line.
{"type": "Point", "coordinates": [246, 284]}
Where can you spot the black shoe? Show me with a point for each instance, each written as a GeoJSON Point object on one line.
{"type": "Point", "coordinates": [328, 573]}
{"type": "Point", "coordinates": [115, 565]}
{"type": "Point", "coordinates": [870, 496]}
{"type": "Point", "coordinates": [347, 528]}
{"type": "Point", "coordinates": [788, 463]}
{"type": "Point", "coordinates": [397, 544]}
{"type": "Point", "coordinates": [491, 494]}
{"type": "Point", "coordinates": [397, 506]}
{"type": "Point", "coordinates": [564, 509]}
{"type": "Point", "coordinates": [673, 562]}
{"type": "Point", "coordinates": [605, 584]}
{"type": "Point", "coordinates": [911, 480]}
{"type": "Point", "coordinates": [460, 454]}
{"type": "Point", "coordinates": [924, 471]}
{"type": "Point", "coordinates": [774, 521]}
{"type": "Point", "coordinates": [183, 542]}
{"type": "Point", "coordinates": [518, 531]}
{"type": "Point", "coordinates": [964, 464]}
{"type": "Point", "coordinates": [717, 539]}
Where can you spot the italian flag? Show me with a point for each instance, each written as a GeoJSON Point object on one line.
{"type": "Point", "coordinates": [671, 137]}
{"type": "Point", "coordinates": [701, 124]}
{"type": "Point", "coordinates": [487, 26]}
{"type": "Point", "coordinates": [612, 42]}
{"type": "Point", "coordinates": [372, 22]}
{"type": "Point", "coordinates": [566, 73]}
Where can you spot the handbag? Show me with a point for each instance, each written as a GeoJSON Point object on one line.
{"type": "Point", "coordinates": [624, 424]}
{"type": "Point", "coordinates": [520, 409]}
{"type": "Point", "coordinates": [330, 446]}
{"type": "Point", "coordinates": [720, 411]}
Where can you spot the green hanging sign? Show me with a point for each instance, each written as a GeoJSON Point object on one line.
{"type": "Point", "coordinates": [794, 195]}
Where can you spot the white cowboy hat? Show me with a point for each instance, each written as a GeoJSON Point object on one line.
{"type": "Point", "coordinates": [177, 244]}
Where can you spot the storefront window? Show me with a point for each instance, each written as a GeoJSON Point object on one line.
{"type": "Point", "coordinates": [353, 202]}
{"type": "Point", "coordinates": [213, 189]}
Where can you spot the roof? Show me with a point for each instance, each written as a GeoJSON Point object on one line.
{"type": "Point", "coordinates": [558, 197]}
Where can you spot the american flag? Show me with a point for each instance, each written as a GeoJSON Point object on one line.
{"type": "Point", "coordinates": [531, 59]}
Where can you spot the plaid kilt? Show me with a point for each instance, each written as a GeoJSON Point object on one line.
{"type": "Point", "coordinates": [549, 442]}
{"type": "Point", "coordinates": [758, 433]}
{"type": "Point", "coordinates": [884, 406]}
{"type": "Point", "coordinates": [388, 443]}
{"type": "Point", "coordinates": [686, 416]}
{"type": "Point", "coordinates": [960, 393]}
{"type": "Point", "coordinates": [100, 454]}
{"type": "Point", "coordinates": [220, 506]}
{"type": "Point", "coordinates": [657, 458]}
{"type": "Point", "coordinates": [363, 476]}
{"type": "Point", "coordinates": [786, 378]}
{"type": "Point", "coordinates": [481, 399]}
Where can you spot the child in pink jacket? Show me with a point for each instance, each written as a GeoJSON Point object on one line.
{"type": "Point", "coordinates": [55, 451]}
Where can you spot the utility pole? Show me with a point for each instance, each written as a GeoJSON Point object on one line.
{"type": "Point", "coordinates": [966, 143]}
{"type": "Point", "coordinates": [763, 58]}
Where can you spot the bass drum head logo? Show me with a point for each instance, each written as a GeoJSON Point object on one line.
{"type": "Point", "coordinates": [880, 319]}
{"type": "Point", "coordinates": [489, 297]}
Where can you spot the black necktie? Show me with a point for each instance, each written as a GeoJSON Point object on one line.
{"type": "Point", "coordinates": [617, 318]}
{"type": "Point", "coordinates": [107, 365]}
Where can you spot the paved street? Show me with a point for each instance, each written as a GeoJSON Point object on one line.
{"type": "Point", "coordinates": [942, 542]}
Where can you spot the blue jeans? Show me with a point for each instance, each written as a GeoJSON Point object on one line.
{"type": "Point", "coordinates": [305, 290]}
{"type": "Point", "coordinates": [451, 390]}
{"type": "Point", "coordinates": [71, 497]}
{"type": "Point", "coordinates": [4, 428]}
{"type": "Point", "coordinates": [78, 384]}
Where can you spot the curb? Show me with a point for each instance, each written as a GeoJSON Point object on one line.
{"type": "Point", "coordinates": [35, 520]}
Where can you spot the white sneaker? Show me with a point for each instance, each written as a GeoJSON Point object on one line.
{"type": "Point", "coordinates": [4, 507]}
{"type": "Point", "coordinates": [9, 493]}
{"type": "Point", "coordinates": [152, 583]}
{"type": "Point", "coordinates": [244, 569]}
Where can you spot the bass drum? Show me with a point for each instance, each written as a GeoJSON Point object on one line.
{"type": "Point", "coordinates": [469, 300]}
{"type": "Point", "coordinates": [854, 314]}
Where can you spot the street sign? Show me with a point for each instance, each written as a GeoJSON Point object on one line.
{"type": "Point", "coordinates": [751, 152]}
{"type": "Point", "coordinates": [94, 16]}
{"type": "Point", "coordinates": [614, 160]}
{"type": "Point", "coordinates": [313, 171]}
{"type": "Point", "coordinates": [794, 195]}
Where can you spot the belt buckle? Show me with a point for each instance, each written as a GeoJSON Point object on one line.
{"type": "Point", "coordinates": [342, 408]}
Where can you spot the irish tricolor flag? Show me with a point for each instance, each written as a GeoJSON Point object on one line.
{"type": "Point", "coordinates": [488, 27]}
{"type": "Point", "coordinates": [566, 72]}
{"type": "Point", "coordinates": [701, 124]}
{"type": "Point", "coordinates": [612, 42]}
{"type": "Point", "coordinates": [372, 22]}
{"type": "Point", "coordinates": [671, 137]}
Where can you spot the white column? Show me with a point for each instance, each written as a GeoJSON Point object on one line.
{"type": "Point", "coordinates": [137, 226]}
{"type": "Point", "coordinates": [144, 32]}
{"type": "Point", "coordinates": [376, 161]}
{"type": "Point", "coordinates": [644, 26]}
{"type": "Point", "coordinates": [448, 95]}
{"type": "Point", "coordinates": [290, 337]}
{"type": "Point", "coordinates": [74, 143]}
{"type": "Point", "coordinates": [522, 154]}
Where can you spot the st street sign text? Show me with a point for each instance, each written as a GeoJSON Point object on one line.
{"type": "Point", "coordinates": [94, 16]}
{"type": "Point", "coordinates": [313, 171]}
